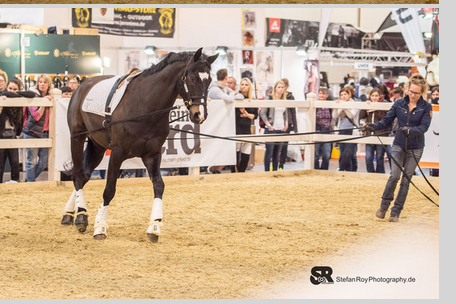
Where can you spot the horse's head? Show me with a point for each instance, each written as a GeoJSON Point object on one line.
{"type": "Point", "coordinates": [195, 83]}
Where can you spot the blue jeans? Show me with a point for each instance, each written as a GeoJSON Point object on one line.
{"type": "Point", "coordinates": [407, 161]}
{"type": "Point", "coordinates": [347, 158]}
{"type": "Point", "coordinates": [272, 152]}
{"type": "Point", "coordinates": [322, 150]}
{"type": "Point", "coordinates": [37, 160]}
{"type": "Point", "coordinates": [379, 152]}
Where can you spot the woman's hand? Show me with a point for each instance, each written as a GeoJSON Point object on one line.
{"type": "Point", "coordinates": [49, 97]}
{"type": "Point", "coordinates": [285, 129]}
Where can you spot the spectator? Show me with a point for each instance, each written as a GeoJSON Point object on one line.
{"type": "Point", "coordinates": [324, 123]}
{"type": "Point", "coordinates": [435, 93]}
{"type": "Point", "coordinates": [3, 81]}
{"type": "Point", "coordinates": [231, 83]}
{"type": "Point", "coordinates": [73, 84]}
{"type": "Point", "coordinates": [66, 92]}
{"type": "Point", "coordinates": [378, 151]}
{"type": "Point", "coordinates": [292, 124]}
{"type": "Point", "coordinates": [11, 120]}
{"type": "Point", "coordinates": [219, 90]}
{"type": "Point", "coordinates": [244, 119]}
{"type": "Point", "coordinates": [348, 119]}
{"type": "Point", "coordinates": [276, 121]}
{"type": "Point", "coordinates": [414, 116]}
{"type": "Point", "coordinates": [36, 125]}
{"type": "Point", "coordinates": [397, 94]}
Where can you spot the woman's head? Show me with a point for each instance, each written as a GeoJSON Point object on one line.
{"type": "Point", "coordinates": [44, 83]}
{"type": "Point", "coordinates": [3, 80]}
{"type": "Point", "coordinates": [246, 88]}
{"type": "Point", "coordinates": [374, 95]}
{"type": "Point", "coordinates": [279, 91]}
{"type": "Point", "coordinates": [435, 92]}
{"type": "Point", "coordinates": [416, 87]}
{"type": "Point", "coordinates": [14, 85]}
{"type": "Point", "coordinates": [347, 92]}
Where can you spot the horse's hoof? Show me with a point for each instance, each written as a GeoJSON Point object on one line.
{"type": "Point", "coordinates": [81, 222]}
{"type": "Point", "coordinates": [152, 237]}
{"type": "Point", "coordinates": [100, 237]}
{"type": "Point", "coordinates": [68, 219]}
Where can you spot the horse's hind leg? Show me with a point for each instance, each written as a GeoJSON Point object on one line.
{"type": "Point", "coordinates": [115, 161]}
{"type": "Point", "coordinates": [84, 163]}
{"type": "Point", "coordinates": [152, 163]}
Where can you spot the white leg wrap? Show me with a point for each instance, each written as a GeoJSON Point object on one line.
{"type": "Point", "coordinates": [155, 216]}
{"type": "Point", "coordinates": [80, 200]}
{"type": "Point", "coordinates": [69, 207]}
{"type": "Point", "coordinates": [101, 219]}
{"type": "Point", "coordinates": [157, 210]}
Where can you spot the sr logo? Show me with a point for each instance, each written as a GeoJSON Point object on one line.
{"type": "Point", "coordinates": [321, 275]}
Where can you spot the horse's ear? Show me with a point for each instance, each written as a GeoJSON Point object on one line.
{"type": "Point", "coordinates": [211, 59]}
{"type": "Point", "coordinates": [197, 54]}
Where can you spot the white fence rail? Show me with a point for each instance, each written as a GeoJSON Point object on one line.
{"type": "Point", "coordinates": [310, 105]}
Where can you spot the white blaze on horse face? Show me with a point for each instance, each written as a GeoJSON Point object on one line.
{"type": "Point", "coordinates": [203, 75]}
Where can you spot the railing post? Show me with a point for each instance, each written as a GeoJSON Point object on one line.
{"type": "Point", "coordinates": [309, 154]}
{"type": "Point", "coordinates": [53, 175]}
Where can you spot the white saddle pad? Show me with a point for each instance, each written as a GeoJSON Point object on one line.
{"type": "Point", "coordinates": [95, 101]}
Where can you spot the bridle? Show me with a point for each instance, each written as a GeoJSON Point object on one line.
{"type": "Point", "coordinates": [189, 99]}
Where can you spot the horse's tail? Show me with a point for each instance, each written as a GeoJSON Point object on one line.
{"type": "Point", "coordinates": [88, 152]}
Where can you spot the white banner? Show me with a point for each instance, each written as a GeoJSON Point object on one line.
{"type": "Point", "coordinates": [409, 23]}
{"type": "Point", "coordinates": [325, 14]}
{"type": "Point", "coordinates": [430, 156]}
{"type": "Point", "coordinates": [180, 150]}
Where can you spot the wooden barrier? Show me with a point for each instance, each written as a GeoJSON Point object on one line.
{"type": "Point", "coordinates": [38, 142]}
{"type": "Point", "coordinates": [311, 105]}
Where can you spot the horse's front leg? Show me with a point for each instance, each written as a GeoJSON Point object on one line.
{"type": "Point", "coordinates": [115, 161]}
{"type": "Point", "coordinates": [152, 163]}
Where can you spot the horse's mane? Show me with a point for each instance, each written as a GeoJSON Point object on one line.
{"type": "Point", "coordinates": [169, 59]}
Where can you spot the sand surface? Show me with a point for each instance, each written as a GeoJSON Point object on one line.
{"type": "Point", "coordinates": [224, 236]}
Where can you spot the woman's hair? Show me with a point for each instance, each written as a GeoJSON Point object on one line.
{"type": "Point", "coordinates": [16, 82]}
{"type": "Point", "coordinates": [418, 80]}
{"type": "Point", "coordinates": [436, 88]}
{"type": "Point", "coordinates": [349, 90]}
{"type": "Point", "coordinates": [4, 75]}
{"type": "Point", "coordinates": [373, 91]}
{"type": "Point", "coordinates": [384, 90]}
{"type": "Point", "coordinates": [250, 92]}
{"type": "Point", "coordinates": [46, 78]}
{"type": "Point", "coordinates": [284, 95]}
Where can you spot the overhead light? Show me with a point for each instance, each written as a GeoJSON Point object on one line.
{"type": "Point", "coordinates": [427, 35]}
{"type": "Point", "coordinates": [150, 50]}
{"type": "Point", "coordinates": [302, 50]}
{"type": "Point", "coordinates": [221, 50]}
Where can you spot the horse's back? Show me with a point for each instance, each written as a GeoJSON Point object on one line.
{"type": "Point", "coordinates": [74, 107]}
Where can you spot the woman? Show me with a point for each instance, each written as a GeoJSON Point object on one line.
{"type": "Point", "coordinates": [3, 81]}
{"type": "Point", "coordinates": [374, 150]}
{"type": "Point", "coordinates": [37, 126]}
{"type": "Point", "coordinates": [244, 118]}
{"type": "Point", "coordinates": [276, 121]}
{"type": "Point", "coordinates": [11, 120]}
{"type": "Point", "coordinates": [348, 119]}
{"type": "Point", "coordinates": [414, 117]}
{"type": "Point", "coordinates": [435, 93]}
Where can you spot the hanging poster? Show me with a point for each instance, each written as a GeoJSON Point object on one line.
{"type": "Point", "coordinates": [248, 38]}
{"type": "Point", "coordinates": [249, 19]}
{"type": "Point", "coordinates": [138, 22]}
{"type": "Point", "coordinates": [265, 66]}
{"type": "Point", "coordinates": [247, 56]}
{"type": "Point", "coordinates": [312, 77]}
{"type": "Point", "coordinates": [284, 32]}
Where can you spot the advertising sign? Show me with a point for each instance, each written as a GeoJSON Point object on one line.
{"type": "Point", "coordinates": [137, 22]}
{"type": "Point", "coordinates": [182, 149]}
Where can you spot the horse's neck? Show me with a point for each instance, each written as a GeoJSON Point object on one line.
{"type": "Point", "coordinates": [168, 86]}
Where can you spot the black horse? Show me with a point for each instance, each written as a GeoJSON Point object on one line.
{"type": "Point", "coordinates": [143, 113]}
